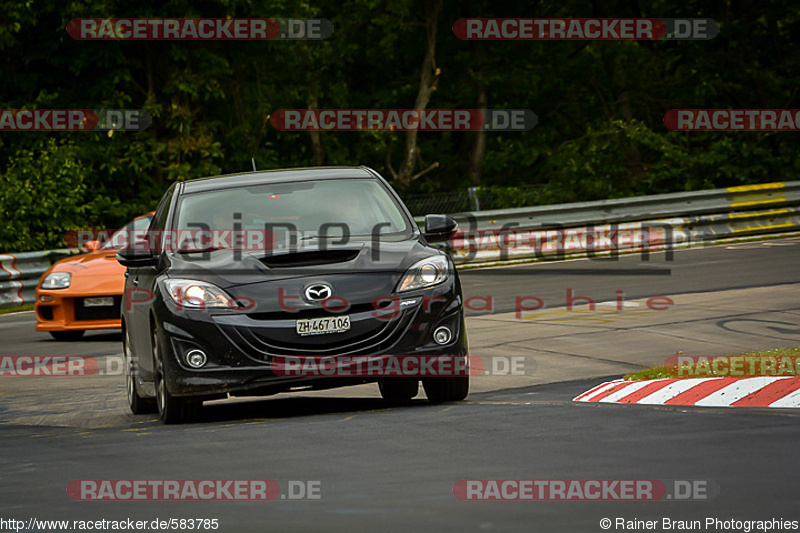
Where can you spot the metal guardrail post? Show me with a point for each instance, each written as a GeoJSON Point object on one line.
{"type": "Point", "coordinates": [474, 199]}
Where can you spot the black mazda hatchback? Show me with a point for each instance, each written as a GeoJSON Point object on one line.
{"type": "Point", "coordinates": [265, 282]}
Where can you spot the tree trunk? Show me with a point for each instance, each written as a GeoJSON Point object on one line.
{"type": "Point", "coordinates": [620, 88]}
{"type": "Point", "coordinates": [427, 85]}
{"type": "Point", "coordinates": [316, 142]}
{"type": "Point", "coordinates": [313, 84]}
{"type": "Point", "coordinates": [479, 148]}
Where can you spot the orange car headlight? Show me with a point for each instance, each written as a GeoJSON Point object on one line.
{"type": "Point", "coordinates": [56, 280]}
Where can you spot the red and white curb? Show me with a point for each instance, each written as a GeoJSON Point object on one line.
{"type": "Point", "coordinates": [781, 392]}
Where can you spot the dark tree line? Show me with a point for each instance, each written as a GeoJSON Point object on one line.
{"type": "Point", "coordinates": [600, 103]}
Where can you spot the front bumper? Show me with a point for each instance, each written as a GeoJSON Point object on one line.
{"type": "Point", "coordinates": [65, 312]}
{"type": "Point", "coordinates": [246, 352]}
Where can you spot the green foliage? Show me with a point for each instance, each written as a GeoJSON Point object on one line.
{"type": "Point", "coordinates": [498, 197]}
{"type": "Point", "coordinates": [41, 196]}
{"type": "Point", "coordinates": [600, 104]}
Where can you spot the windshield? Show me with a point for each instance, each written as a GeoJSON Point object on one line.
{"type": "Point", "coordinates": [121, 238]}
{"type": "Point", "coordinates": [323, 209]}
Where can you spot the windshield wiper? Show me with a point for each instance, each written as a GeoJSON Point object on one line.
{"type": "Point", "coordinates": [335, 236]}
{"type": "Point", "coordinates": [199, 250]}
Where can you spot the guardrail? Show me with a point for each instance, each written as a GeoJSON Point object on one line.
{"type": "Point", "coordinates": [20, 273]}
{"type": "Point", "coordinates": [642, 223]}
{"type": "Point", "coordinates": [630, 224]}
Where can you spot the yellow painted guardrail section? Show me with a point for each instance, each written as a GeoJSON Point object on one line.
{"type": "Point", "coordinates": [749, 195]}
{"type": "Point", "coordinates": [753, 195]}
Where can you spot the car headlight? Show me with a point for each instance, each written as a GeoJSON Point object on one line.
{"type": "Point", "coordinates": [56, 280]}
{"type": "Point", "coordinates": [198, 294]}
{"type": "Point", "coordinates": [426, 273]}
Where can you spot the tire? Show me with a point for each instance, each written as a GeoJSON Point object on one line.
{"type": "Point", "coordinates": [171, 410]}
{"type": "Point", "coordinates": [398, 389]}
{"type": "Point", "coordinates": [67, 335]}
{"type": "Point", "coordinates": [441, 390]}
{"type": "Point", "coordinates": [138, 405]}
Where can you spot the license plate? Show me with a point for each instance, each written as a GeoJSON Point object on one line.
{"type": "Point", "coordinates": [319, 326]}
{"type": "Point", "coordinates": [103, 301]}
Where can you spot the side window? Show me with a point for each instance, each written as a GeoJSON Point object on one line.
{"type": "Point", "coordinates": [162, 212]}
{"type": "Point", "coordinates": [159, 222]}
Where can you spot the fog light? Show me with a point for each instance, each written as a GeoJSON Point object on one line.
{"type": "Point", "coordinates": [442, 335]}
{"type": "Point", "coordinates": [196, 358]}
{"type": "Point", "coordinates": [45, 298]}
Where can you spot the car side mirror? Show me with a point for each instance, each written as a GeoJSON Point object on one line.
{"type": "Point", "coordinates": [439, 228]}
{"type": "Point", "coordinates": [136, 257]}
{"type": "Point", "coordinates": [92, 246]}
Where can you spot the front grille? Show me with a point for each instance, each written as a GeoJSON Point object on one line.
{"type": "Point", "coordinates": [319, 312]}
{"type": "Point", "coordinates": [111, 312]}
{"type": "Point", "coordinates": [377, 337]}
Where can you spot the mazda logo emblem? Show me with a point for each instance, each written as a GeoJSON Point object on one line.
{"type": "Point", "coordinates": [318, 292]}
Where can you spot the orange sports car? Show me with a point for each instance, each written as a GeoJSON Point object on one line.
{"type": "Point", "coordinates": [84, 292]}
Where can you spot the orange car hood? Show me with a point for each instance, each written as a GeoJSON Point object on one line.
{"type": "Point", "coordinates": [93, 273]}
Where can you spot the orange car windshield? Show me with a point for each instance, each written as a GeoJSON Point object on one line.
{"type": "Point", "coordinates": [121, 238]}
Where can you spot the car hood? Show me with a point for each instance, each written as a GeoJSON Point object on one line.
{"type": "Point", "coordinates": [99, 262]}
{"type": "Point", "coordinates": [228, 268]}
{"type": "Point", "coordinates": [95, 272]}
{"type": "Point", "coordinates": [358, 271]}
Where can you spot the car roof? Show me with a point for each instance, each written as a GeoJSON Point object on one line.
{"type": "Point", "coordinates": [273, 176]}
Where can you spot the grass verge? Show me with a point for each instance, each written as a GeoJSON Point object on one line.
{"type": "Point", "coordinates": [661, 372]}
{"type": "Point", "coordinates": [19, 309]}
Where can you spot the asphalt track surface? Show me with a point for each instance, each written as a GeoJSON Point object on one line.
{"type": "Point", "coordinates": [385, 468]}
{"type": "Point", "coordinates": [713, 268]}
